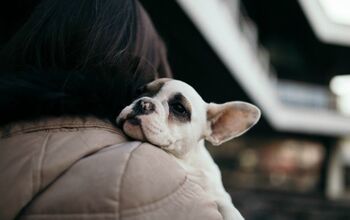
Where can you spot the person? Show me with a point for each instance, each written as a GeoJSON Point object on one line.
{"type": "Point", "coordinates": [65, 74]}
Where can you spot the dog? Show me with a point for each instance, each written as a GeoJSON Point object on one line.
{"type": "Point", "coordinates": [172, 115]}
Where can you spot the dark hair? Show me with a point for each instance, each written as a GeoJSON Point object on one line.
{"type": "Point", "coordinates": [81, 57]}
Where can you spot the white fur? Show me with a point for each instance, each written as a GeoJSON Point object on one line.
{"type": "Point", "coordinates": [185, 140]}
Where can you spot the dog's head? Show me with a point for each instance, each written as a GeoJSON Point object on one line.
{"type": "Point", "coordinates": [171, 115]}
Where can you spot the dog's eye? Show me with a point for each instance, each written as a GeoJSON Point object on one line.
{"type": "Point", "coordinates": [178, 108]}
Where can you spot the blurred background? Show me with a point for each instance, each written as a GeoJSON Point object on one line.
{"type": "Point", "coordinates": [290, 58]}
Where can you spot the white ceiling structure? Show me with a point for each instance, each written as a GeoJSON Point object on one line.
{"type": "Point", "coordinates": [218, 24]}
{"type": "Point", "coordinates": [330, 19]}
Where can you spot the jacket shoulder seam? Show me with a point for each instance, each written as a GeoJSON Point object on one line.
{"type": "Point", "coordinates": [118, 211]}
{"type": "Point", "coordinates": [151, 205]}
{"type": "Point", "coordinates": [181, 190]}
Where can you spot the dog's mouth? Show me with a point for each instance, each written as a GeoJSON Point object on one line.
{"type": "Point", "coordinates": [132, 126]}
{"type": "Point", "coordinates": [134, 120]}
{"type": "Point", "coordinates": [130, 118]}
{"type": "Point", "coordinates": [144, 128]}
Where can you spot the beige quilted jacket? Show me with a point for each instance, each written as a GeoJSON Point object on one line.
{"type": "Point", "coordinates": [71, 168]}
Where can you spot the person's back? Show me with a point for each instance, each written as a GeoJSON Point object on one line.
{"type": "Point", "coordinates": [64, 77]}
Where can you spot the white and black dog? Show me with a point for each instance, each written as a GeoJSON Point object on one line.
{"type": "Point", "coordinates": [171, 114]}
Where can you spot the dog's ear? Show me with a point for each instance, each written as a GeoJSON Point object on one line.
{"type": "Point", "coordinates": [230, 120]}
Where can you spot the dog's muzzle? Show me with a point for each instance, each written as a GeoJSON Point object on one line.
{"type": "Point", "coordinates": [143, 107]}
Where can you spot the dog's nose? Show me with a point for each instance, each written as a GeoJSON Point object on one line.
{"type": "Point", "coordinates": [143, 107]}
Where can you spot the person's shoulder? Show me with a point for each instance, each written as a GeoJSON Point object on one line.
{"type": "Point", "coordinates": [126, 179]}
{"type": "Point", "coordinates": [155, 186]}
{"type": "Point", "coordinates": [150, 174]}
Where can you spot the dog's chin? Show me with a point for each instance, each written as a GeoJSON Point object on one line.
{"type": "Point", "coordinates": [134, 131]}
{"type": "Point", "coordinates": [148, 130]}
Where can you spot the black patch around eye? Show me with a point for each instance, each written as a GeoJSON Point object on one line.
{"type": "Point", "coordinates": [178, 108]}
